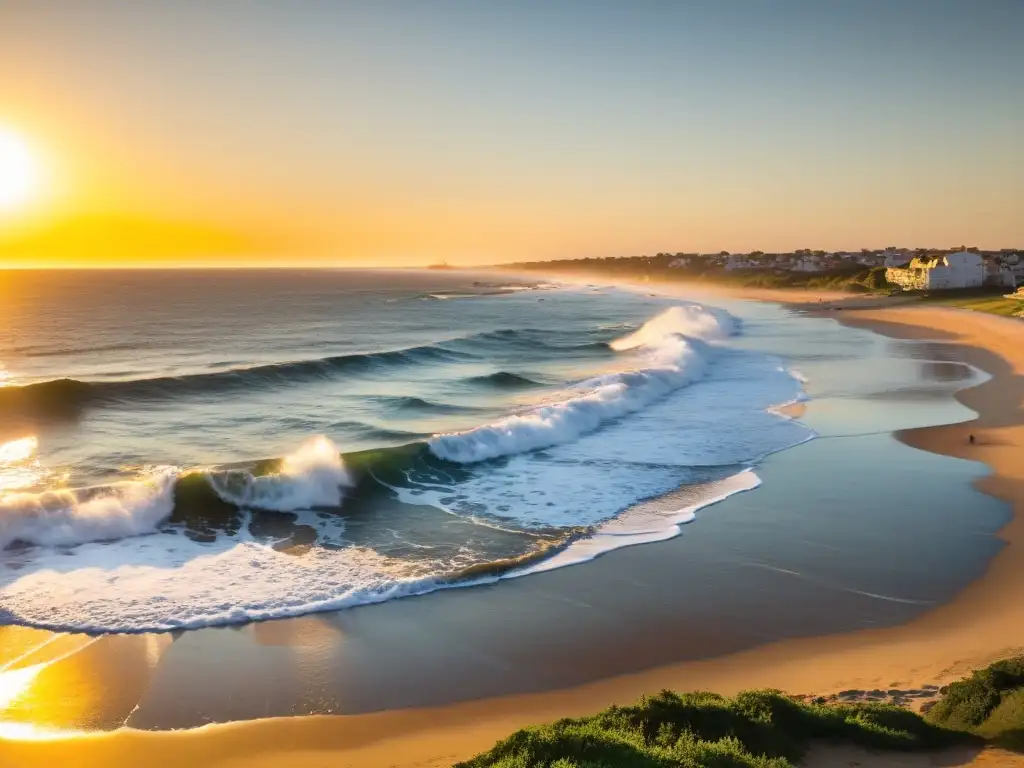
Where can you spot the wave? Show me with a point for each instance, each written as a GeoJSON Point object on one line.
{"type": "Point", "coordinates": [420, 405]}
{"type": "Point", "coordinates": [247, 581]}
{"type": "Point", "coordinates": [184, 585]}
{"type": "Point", "coordinates": [482, 290]}
{"type": "Point", "coordinates": [532, 339]}
{"type": "Point", "coordinates": [692, 321]}
{"type": "Point", "coordinates": [58, 398]}
{"type": "Point", "coordinates": [207, 502]}
{"type": "Point", "coordinates": [673, 347]}
{"type": "Point", "coordinates": [35, 351]}
{"type": "Point", "coordinates": [646, 522]}
{"type": "Point", "coordinates": [63, 517]}
{"type": "Point", "coordinates": [320, 529]}
{"type": "Point", "coordinates": [473, 295]}
{"type": "Point", "coordinates": [504, 380]}
{"type": "Point", "coordinates": [66, 398]}
{"type": "Point", "coordinates": [314, 476]}
{"type": "Point", "coordinates": [385, 435]}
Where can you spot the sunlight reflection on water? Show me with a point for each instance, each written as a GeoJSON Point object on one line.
{"type": "Point", "coordinates": [19, 465]}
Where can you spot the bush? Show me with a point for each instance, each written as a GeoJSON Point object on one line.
{"type": "Point", "coordinates": [968, 703]}
{"type": "Point", "coordinates": [756, 729]}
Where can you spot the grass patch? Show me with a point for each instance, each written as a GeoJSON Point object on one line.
{"type": "Point", "coordinates": [1005, 725]}
{"type": "Point", "coordinates": [989, 703]}
{"type": "Point", "coordinates": [986, 300]}
{"type": "Point", "coordinates": [763, 729]}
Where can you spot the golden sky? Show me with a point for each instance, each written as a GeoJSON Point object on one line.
{"type": "Point", "coordinates": [402, 133]}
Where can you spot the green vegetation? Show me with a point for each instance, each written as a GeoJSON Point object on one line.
{"type": "Point", "coordinates": [1005, 726]}
{"type": "Point", "coordinates": [756, 728]}
{"type": "Point", "coordinates": [766, 729]}
{"type": "Point", "coordinates": [854, 279]}
{"type": "Point", "coordinates": [851, 280]}
{"type": "Point", "coordinates": [989, 703]}
{"type": "Point", "coordinates": [989, 300]}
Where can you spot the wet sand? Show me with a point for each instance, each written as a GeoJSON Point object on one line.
{"type": "Point", "coordinates": [980, 624]}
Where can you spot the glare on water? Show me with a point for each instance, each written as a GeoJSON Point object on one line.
{"type": "Point", "coordinates": [19, 467]}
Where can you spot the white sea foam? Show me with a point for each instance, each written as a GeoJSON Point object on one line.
{"type": "Point", "coordinates": [183, 584]}
{"type": "Point", "coordinates": [654, 520]}
{"type": "Point", "coordinates": [672, 354]}
{"type": "Point", "coordinates": [62, 517]}
{"type": "Point", "coordinates": [692, 320]}
{"type": "Point", "coordinates": [312, 476]}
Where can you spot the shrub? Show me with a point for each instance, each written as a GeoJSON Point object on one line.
{"type": "Point", "coordinates": [968, 703]}
{"type": "Point", "coordinates": [756, 729]}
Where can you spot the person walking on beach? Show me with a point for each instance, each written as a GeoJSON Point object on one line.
{"type": "Point", "coordinates": [971, 439]}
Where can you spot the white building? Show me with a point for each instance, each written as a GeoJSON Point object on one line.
{"type": "Point", "coordinates": [679, 263]}
{"type": "Point", "coordinates": [931, 273]}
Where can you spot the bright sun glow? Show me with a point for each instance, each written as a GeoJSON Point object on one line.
{"type": "Point", "coordinates": [19, 171]}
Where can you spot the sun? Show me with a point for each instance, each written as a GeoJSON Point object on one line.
{"type": "Point", "coordinates": [19, 171]}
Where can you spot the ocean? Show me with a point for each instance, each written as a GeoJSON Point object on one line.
{"type": "Point", "coordinates": [182, 449]}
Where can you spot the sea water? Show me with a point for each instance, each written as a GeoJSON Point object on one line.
{"type": "Point", "coordinates": [185, 449]}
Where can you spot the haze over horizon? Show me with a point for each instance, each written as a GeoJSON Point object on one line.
{"type": "Point", "coordinates": [401, 133]}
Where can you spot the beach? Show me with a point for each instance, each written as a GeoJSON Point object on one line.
{"type": "Point", "coordinates": [511, 385]}
{"type": "Point", "coordinates": [979, 624]}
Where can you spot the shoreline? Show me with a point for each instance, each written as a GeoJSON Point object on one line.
{"type": "Point", "coordinates": [944, 643]}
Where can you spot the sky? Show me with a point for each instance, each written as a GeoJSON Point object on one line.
{"type": "Point", "coordinates": [399, 133]}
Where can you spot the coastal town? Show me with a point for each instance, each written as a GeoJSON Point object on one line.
{"type": "Point", "coordinates": [892, 268]}
{"type": "Point", "coordinates": [911, 269]}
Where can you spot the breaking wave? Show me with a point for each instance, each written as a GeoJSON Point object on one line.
{"type": "Point", "coordinates": [314, 476]}
{"type": "Point", "coordinates": [673, 351]}
{"type": "Point", "coordinates": [64, 517]}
